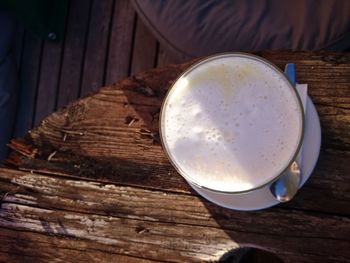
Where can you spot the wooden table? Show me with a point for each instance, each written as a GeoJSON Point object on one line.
{"type": "Point", "coordinates": [92, 183]}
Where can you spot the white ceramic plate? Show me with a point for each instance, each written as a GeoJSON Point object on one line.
{"type": "Point", "coordinates": [261, 199]}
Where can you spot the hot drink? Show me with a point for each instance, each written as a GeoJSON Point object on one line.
{"type": "Point", "coordinates": [231, 123]}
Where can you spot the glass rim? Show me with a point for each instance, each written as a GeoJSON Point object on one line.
{"type": "Point", "coordinates": [196, 65]}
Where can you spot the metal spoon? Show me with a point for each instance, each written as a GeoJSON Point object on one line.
{"type": "Point", "coordinates": [287, 185]}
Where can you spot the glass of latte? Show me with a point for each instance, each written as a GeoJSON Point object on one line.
{"type": "Point", "coordinates": [232, 123]}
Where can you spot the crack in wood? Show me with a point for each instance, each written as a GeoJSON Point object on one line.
{"type": "Point", "coordinates": [142, 87]}
{"type": "Point", "coordinates": [332, 106]}
{"type": "Point", "coordinates": [69, 132]}
{"type": "Point", "coordinates": [140, 229]}
{"type": "Point", "coordinates": [155, 115]}
{"type": "Point", "coordinates": [20, 146]}
{"type": "Point", "coordinates": [51, 155]}
{"type": "Point", "coordinates": [2, 198]}
{"type": "Point", "coordinates": [147, 134]}
{"type": "Point", "coordinates": [130, 120]}
{"type": "Point", "coordinates": [336, 59]}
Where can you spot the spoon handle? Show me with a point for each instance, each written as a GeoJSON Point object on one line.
{"type": "Point", "coordinates": [286, 186]}
{"type": "Point", "coordinates": [289, 70]}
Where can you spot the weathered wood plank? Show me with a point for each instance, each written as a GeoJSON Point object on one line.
{"type": "Point", "coordinates": [29, 72]}
{"type": "Point", "coordinates": [74, 48]}
{"type": "Point", "coordinates": [154, 205]}
{"type": "Point", "coordinates": [158, 240]}
{"type": "Point", "coordinates": [323, 185]}
{"type": "Point", "coordinates": [96, 50]}
{"type": "Point", "coordinates": [120, 42]}
{"type": "Point", "coordinates": [48, 81]}
{"type": "Point", "coordinates": [328, 182]}
{"type": "Point", "coordinates": [184, 227]}
{"type": "Point", "coordinates": [145, 49]}
{"type": "Point", "coordinates": [25, 246]}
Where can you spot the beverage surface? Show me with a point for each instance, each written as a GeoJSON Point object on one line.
{"type": "Point", "coordinates": [231, 124]}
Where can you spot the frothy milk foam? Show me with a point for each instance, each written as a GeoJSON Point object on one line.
{"type": "Point", "coordinates": [231, 124]}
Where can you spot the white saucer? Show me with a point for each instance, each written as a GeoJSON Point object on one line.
{"type": "Point", "coordinates": [261, 199]}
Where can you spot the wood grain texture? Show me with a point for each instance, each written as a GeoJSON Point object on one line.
{"type": "Point", "coordinates": [96, 49]}
{"type": "Point", "coordinates": [48, 81]}
{"type": "Point", "coordinates": [183, 227]}
{"type": "Point", "coordinates": [145, 49]}
{"type": "Point", "coordinates": [74, 48]}
{"type": "Point", "coordinates": [120, 42]}
{"type": "Point", "coordinates": [29, 73]}
{"type": "Point", "coordinates": [100, 159]}
{"type": "Point", "coordinates": [29, 246]}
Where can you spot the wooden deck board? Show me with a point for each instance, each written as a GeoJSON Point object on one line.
{"type": "Point", "coordinates": [96, 50]}
{"type": "Point", "coordinates": [19, 248]}
{"type": "Point", "coordinates": [73, 56]}
{"type": "Point", "coordinates": [120, 42]}
{"type": "Point", "coordinates": [104, 42]}
{"type": "Point", "coordinates": [144, 50]}
{"type": "Point", "coordinates": [19, 43]}
{"type": "Point", "coordinates": [48, 81]}
{"type": "Point", "coordinates": [164, 58]}
{"type": "Point", "coordinates": [129, 220]}
{"type": "Point", "coordinates": [29, 72]}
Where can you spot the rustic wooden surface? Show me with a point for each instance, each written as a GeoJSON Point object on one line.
{"type": "Point", "coordinates": [92, 181]}
{"type": "Point", "coordinates": [105, 41]}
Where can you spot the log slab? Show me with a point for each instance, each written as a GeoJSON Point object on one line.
{"type": "Point", "coordinates": [92, 178]}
